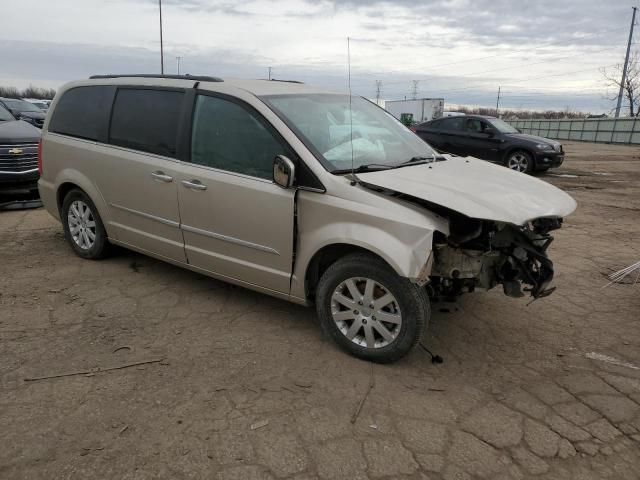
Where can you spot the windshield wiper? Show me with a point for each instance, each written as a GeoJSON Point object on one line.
{"type": "Point", "coordinates": [421, 160]}
{"type": "Point", "coordinates": [374, 167]}
{"type": "Point", "coordinates": [371, 167]}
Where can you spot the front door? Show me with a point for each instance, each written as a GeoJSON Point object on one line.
{"type": "Point", "coordinates": [236, 222]}
{"type": "Point", "coordinates": [478, 142]}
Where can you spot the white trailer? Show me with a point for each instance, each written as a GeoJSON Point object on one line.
{"type": "Point", "coordinates": [415, 111]}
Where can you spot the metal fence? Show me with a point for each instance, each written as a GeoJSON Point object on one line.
{"type": "Point", "coordinates": [599, 130]}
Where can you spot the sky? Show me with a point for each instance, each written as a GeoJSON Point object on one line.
{"type": "Point", "coordinates": [543, 54]}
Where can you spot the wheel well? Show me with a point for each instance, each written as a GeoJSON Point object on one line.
{"type": "Point", "coordinates": [324, 258]}
{"type": "Point", "coordinates": [62, 192]}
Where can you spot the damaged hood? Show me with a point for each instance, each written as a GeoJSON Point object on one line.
{"type": "Point", "coordinates": [477, 189]}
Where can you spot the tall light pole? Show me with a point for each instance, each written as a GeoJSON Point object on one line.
{"type": "Point", "coordinates": [626, 63]}
{"type": "Point", "coordinates": [178, 59]}
{"type": "Point", "coordinates": [161, 45]}
{"type": "Point", "coordinates": [498, 104]}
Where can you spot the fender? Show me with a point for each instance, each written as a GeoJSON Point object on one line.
{"type": "Point", "coordinates": [70, 175]}
{"type": "Point", "coordinates": [399, 233]}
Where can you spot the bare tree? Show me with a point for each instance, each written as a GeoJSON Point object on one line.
{"type": "Point", "coordinates": [521, 114]}
{"type": "Point", "coordinates": [9, 92]}
{"type": "Point", "coordinates": [29, 92]}
{"type": "Point", "coordinates": [631, 87]}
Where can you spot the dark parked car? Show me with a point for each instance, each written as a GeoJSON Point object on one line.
{"type": "Point", "coordinates": [24, 110]}
{"type": "Point", "coordinates": [18, 154]}
{"type": "Point", "coordinates": [491, 139]}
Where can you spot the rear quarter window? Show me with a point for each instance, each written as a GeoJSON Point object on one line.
{"type": "Point", "coordinates": [453, 123]}
{"type": "Point", "coordinates": [83, 112]}
{"type": "Point", "coordinates": [430, 125]}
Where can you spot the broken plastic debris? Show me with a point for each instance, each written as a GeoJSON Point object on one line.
{"type": "Point", "coordinates": [260, 424]}
{"type": "Point", "coordinates": [611, 360]}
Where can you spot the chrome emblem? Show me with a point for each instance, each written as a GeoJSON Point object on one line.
{"type": "Point", "coordinates": [15, 151]}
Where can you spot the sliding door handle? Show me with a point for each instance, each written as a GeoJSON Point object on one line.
{"type": "Point", "coordinates": [194, 185]}
{"type": "Point", "coordinates": [159, 175]}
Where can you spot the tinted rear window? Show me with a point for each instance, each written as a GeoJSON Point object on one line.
{"type": "Point", "coordinates": [431, 124]}
{"type": "Point", "coordinates": [146, 120]}
{"type": "Point", "coordinates": [83, 112]}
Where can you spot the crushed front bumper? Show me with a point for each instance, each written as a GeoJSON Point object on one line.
{"type": "Point", "coordinates": [549, 159]}
{"type": "Point", "coordinates": [514, 257]}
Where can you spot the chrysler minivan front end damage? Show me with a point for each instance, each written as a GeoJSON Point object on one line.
{"type": "Point", "coordinates": [499, 225]}
{"type": "Point", "coordinates": [481, 254]}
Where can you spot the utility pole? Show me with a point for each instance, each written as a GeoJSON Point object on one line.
{"type": "Point", "coordinates": [161, 45]}
{"type": "Point", "coordinates": [414, 90]}
{"type": "Point", "coordinates": [178, 59]}
{"type": "Point", "coordinates": [498, 104]}
{"type": "Point", "coordinates": [378, 90]}
{"type": "Point", "coordinates": [626, 63]}
{"type": "Point", "coordinates": [269, 73]}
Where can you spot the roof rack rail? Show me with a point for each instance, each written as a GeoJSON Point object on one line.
{"type": "Point", "coordinates": [278, 80]}
{"type": "Point", "coordinates": [199, 78]}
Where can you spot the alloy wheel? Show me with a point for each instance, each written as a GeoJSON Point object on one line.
{"type": "Point", "coordinates": [519, 162]}
{"type": "Point", "coordinates": [366, 312]}
{"type": "Point", "coordinates": [82, 224]}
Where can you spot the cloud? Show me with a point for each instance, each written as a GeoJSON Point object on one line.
{"type": "Point", "coordinates": [458, 49]}
{"type": "Point", "coordinates": [500, 21]}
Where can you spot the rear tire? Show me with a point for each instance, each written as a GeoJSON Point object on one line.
{"type": "Point", "coordinates": [83, 227]}
{"type": "Point", "coordinates": [369, 310]}
{"type": "Point", "coordinates": [520, 161]}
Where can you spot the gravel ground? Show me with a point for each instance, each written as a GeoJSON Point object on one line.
{"type": "Point", "coordinates": [243, 386]}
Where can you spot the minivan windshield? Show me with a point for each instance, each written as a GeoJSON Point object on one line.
{"type": "Point", "coordinates": [502, 126]}
{"type": "Point", "coordinates": [322, 121]}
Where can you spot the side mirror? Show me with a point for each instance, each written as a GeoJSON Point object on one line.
{"type": "Point", "coordinates": [491, 132]}
{"type": "Point", "coordinates": [284, 171]}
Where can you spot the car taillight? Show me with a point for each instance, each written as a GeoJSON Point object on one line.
{"type": "Point", "coordinates": [40, 157]}
{"type": "Point", "coordinates": [413, 129]}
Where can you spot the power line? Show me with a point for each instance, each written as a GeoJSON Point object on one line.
{"type": "Point", "coordinates": [378, 91]}
{"type": "Point", "coordinates": [522, 80]}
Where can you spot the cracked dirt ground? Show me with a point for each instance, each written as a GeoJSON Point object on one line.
{"type": "Point", "coordinates": [515, 398]}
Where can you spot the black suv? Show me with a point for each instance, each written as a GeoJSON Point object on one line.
{"type": "Point", "coordinates": [491, 139]}
{"type": "Point", "coordinates": [18, 154]}
{"type": "Point", "coordinates": [23, 110]}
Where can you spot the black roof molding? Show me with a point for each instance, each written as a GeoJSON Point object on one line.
{"type": "Point", "coordinates": [199, 78]}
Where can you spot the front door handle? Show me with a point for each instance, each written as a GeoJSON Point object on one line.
{"type": "Point", "coordinates": [194, 184]}
{"type": "Point", "coordinates": [159, 175]}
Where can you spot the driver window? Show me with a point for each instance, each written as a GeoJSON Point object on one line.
{"type": "Point", "coordinates": [229, 137]}
{"type": "Point", "coordinates": [474, 125]}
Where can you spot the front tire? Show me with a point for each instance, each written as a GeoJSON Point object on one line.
{"type": "Point", "coordinates": [520, 161]}
{"type": "Point", "coordinates": [369, 310]}
{"type": "Point", "coordinates": [83, 227]}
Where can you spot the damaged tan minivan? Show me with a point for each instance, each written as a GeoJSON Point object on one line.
{"type": "Point", "coordinates": [307, 195]}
